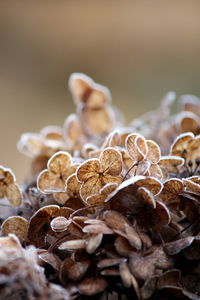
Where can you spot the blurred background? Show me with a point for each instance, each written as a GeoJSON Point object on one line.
{"type": "Point", "coordinates": [139, 49]}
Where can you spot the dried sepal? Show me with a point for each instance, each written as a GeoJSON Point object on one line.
{"type": "Point", "coordinates": [86, 92]}
{"type": "Point", "coordinates": [9, 188]}
{"type": "Point", "coordinates": [92, 286]}
{"type": "Point", "coordinates": [95, 173]}
{"type": "Point", "coordinates": [16, 225]}
{"type": "Point", "coordinates": [52, 180]}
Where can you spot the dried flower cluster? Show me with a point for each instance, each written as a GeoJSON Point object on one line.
{"type": "Point", "coordinates": [106, 211]}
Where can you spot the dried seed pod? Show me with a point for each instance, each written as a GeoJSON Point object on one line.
{"type": "Point", "coordinates": [59, 224]}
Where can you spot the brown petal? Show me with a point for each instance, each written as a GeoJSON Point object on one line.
{"type": "Point", "coordinates": [90, 187]}
{"type": "Point", "coordinates": [169, 278]}
{"type": "Point", "coordinates": [88, 169]}
{"type": "Point", "coordinates": [147, 197]}
{"type": "Point", "coordinates": [171, 161]}
{"type": "Point", "coordinates": [136, 146]}
{"type": "Point", "coordinates": [73, 270]}
{"type": "Point", "coordinates": [110, 262]}
{"type": "Point", "coordinates": [155, 171]}
{"type": "Point", "coordinates": [150, 183]}
{"type": "Point", "coordinates": [97, 121]}
{"type": "Point", "coordinates": [180, 143]}
{"type": "Point", "coordinates": [59, 163]}
{"type": "Point", "coordinates": [94, 242]}
{"type": "Point", "coordinates": [123, 247]}
{"type": "Point", "coordinates": [97, 228]}
{"type": "Point", "coordinates": [92, 286]}
{"type": "Point", "coordinates": [14, 194]}
{"type": "Point", "coordinates": [51, 259]}
{"type": "Point", "coordinates": [171, 190]}
{"type": "Point", "coordinates": [175, 247]}
{"type": "Point", "coordinates": [16, 225]}
{"type": "Point", "coordinates": [153, 154]}
{"type": "Point", "coordinates": [191, 186]}
{"type": "Point", "coordinates": [48, 181]}
{"type": "Point", "coordinates": [73, 245]}
{"type": "Point", "coordinates": [73, 186]}
{"type": "Point", "coordinates": [111, 162]}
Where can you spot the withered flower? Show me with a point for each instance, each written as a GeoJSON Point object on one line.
{"type": "Point", "coordinates": [52, 180]}
{"type": "Point", "coordinates": [95, 173]}
{"type": "Point", "coordinates": [145, 155]}
{"type": "Point", "coordinates": [9, 188]}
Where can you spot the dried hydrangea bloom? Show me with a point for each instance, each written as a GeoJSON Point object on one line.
{"type": "Point", "coordinates": [39, 224]}
{"type": "Point", "coordinates": [145, 155]}
{"type": "Point", "coordinates": [47, 141]}
{"type": "Point", "coordinates": [92, 100]}
{"type": "Point", "coordinates": [52, 180]}
{"type": "Point", "coordinates": [187, 146]}
{"type": "Point", "coordinates": [16, 225]}
{"type": "Point", "coordinates": [86, 92]}
{"type": "Point", "coordinates": [9, 187]}
{"type": "Point", "coordinates": [95, 173]}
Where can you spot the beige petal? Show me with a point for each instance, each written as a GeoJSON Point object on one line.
{"type": "Point", "coordinates": [155, 171]}
{"type": "Point", "coordinates": [153, 154]}
{"type": "Point", "coordinates": [59, 163]}
{"type": "Point", "coordinates": [188, 122]}
{"type": "Point", "coordinates": [94, 242]}
{"type": "Point", "coordinates": [79, 85]}
{"type": "Point", "coordinates": [136, 146]}
{"type": "Point", "coordinates": [73, 186]}
{"type": "Point", "coordinates": [72, 245]}
{"type": "Point", "coordinates": [74, 133]}
{"type": "Point", "coordinates": [14, 194]}
{"type": "Point", "coordinates": [180, 144]}
{"type": "Point", "coordinates": [89, 168]}
{"type": "Point", "coordinates": [48, 181]}
{"type": "Point", "coordinates": [52, 133]}
{"type": "Point", "coordinates": [191, 186]}
{"type": "Point", "coordinates": [92, 286]}
{"type": "Point", "coordinates": [97, 121]}
{"type": "Point", "coordinates": [171, 161]}
{"type": "Point", "coordinates": [16, 225]}
{"type": "Point", "coordinates": [111, 162]}
{"type": "Point", "coordinates": [90, 187]}
{"type": "Point", "coordinates": [61, 198]}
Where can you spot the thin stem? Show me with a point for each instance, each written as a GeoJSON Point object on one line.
{"type": "Point", "coordinates": [133, 165]}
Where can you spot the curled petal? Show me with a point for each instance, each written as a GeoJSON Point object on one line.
{"type": "Point", "coordinates": [153, 154]}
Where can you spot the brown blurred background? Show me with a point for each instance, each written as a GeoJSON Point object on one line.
{"type": "Point", "coordinates": [139, 49]}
